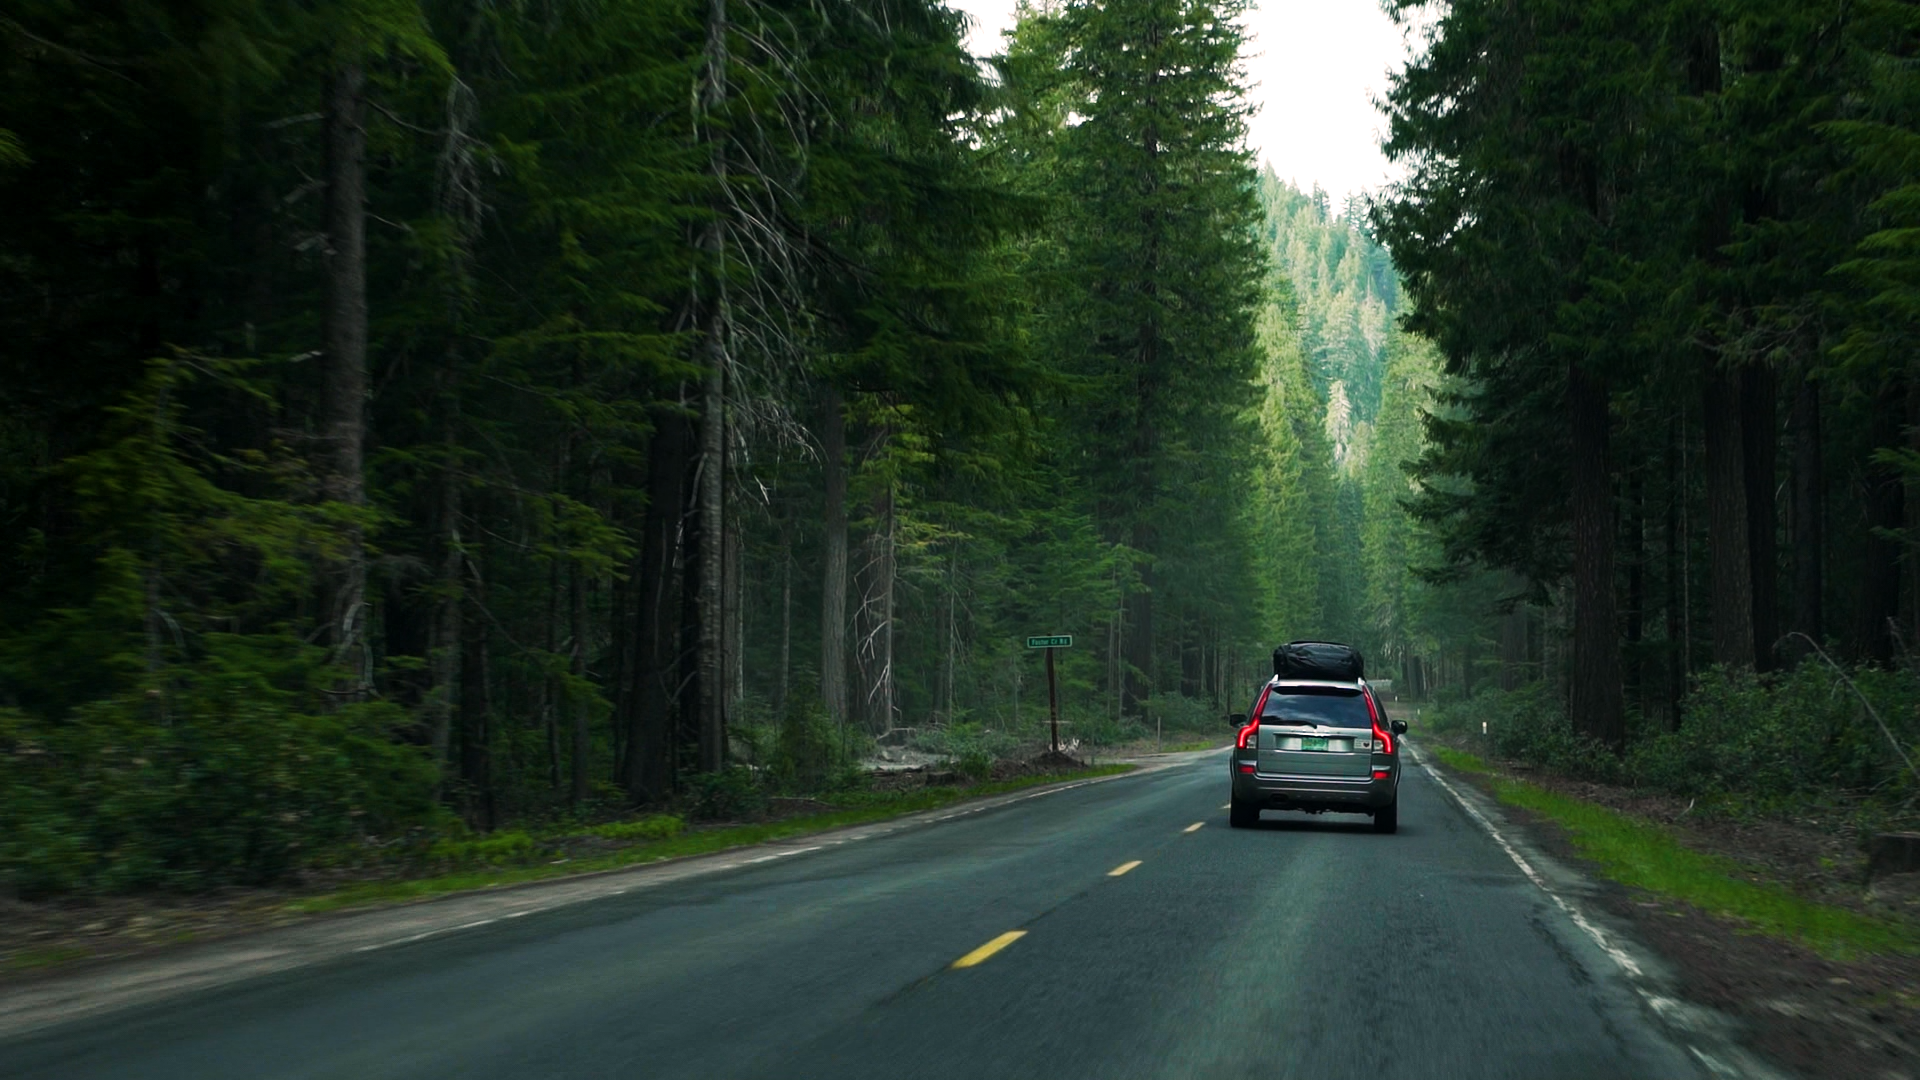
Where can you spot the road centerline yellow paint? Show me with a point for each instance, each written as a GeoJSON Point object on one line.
{"type": "Point", "coordinates": [1123, 868]}
{"type": "Point", "coordinates": [991, 947]}
{"type": "Point", "coordinates": [1195, 827]}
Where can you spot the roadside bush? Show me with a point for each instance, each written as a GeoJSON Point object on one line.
{"type": "Point", "coordinates": [1528, 724]}
{"type": "Point", "coordinates": [1769, 741]}
{"type": "Point", "coordinates": [218, 780]}
{"type": "Point", "coordinates": [1784, 736]}
{"type": "Point", "coordinates": [732, 794]}
{"type": "Point", "coordinates": [652, 827]}
{"type": "Point", "coordinates": [970, 740]}
{"type": "Point", "coordinates": [808, 751]}
{"type": "Point", "coordinates": [495, 849]}
{"type": "Point", "coordinates": [975, 767]}
{"type": "Point", "coordinates": [1098, 729]}
{"type": "Point", "coordinates": [1178, 713]}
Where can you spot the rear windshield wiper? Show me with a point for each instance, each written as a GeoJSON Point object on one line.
{"type": "Point", "coordinates": [1288, 720]}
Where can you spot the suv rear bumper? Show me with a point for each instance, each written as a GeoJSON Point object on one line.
{"type": "Point", "coordinates": [1356, 796]}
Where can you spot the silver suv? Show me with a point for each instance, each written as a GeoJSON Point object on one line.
{"type": "Point", "coordinates": [1317, 745]}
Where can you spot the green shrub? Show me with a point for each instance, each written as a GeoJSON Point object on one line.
{"type": "Point", "coordinates": [1768, 742]}
{"type": "Point", "coordinates": [1179, 713]}
{"type": "Point", "coordinates": [1528, 724]}
{"type": "Point", "coordinates": [496, 849]}
{"type": "Point", "coordinates": [808, 751]}
{"type": "Point", "coordinates": [217, 780]}
{"type": "Point", "coordinates": [1784, 737]}
{"type": "Point", "coordinates": [652, 827]}
{"type": "Point", "coordinates": [732, 794]}
{"type": "Point", "coordinates": [970, 740]}
{"type": "Point", "coordinates": [974, 766]}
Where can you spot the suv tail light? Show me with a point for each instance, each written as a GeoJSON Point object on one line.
{"type": "Point", "coordinates": [1382, 740]}
{"type": "Point", "coordinates": [1251, 732]}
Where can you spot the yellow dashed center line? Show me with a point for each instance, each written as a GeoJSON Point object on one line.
{"type": "Point", "coordinates": [991, 947]}
{"type": "Point", "coordinates": [1123, 868]}
{"type": "Point", "coordinates": [1195, 827]}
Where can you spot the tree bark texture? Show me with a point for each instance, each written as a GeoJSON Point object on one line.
{"type": "Point", "coordinates": [1885, 499]}
{"type": "Point", "coordinates": [1911, 498]}
{"type": "Point", "coordinates": [1809, 513]}
{"type": "Point", "coordinates": [708, 690]}
{"type": "Point", "coordinates": [736, 617]}
{"type": "Point", "coordinates": [550, 697]}
{"type": "Point", "coordinates": [833, 580]}
{"type": "Point", "coordinates": [873, 621]}
{"type": "Point", "coordinates": [1137, 646]}
{"type": "Point", "coordinates": [1676, 572]}
{"type": "Point", "coordinates": [1761, 443]}
{"type": "Point", "coordinates": [649, 768]}
{"type": "Point", "coordinates": [577, 666]}
{"type": "Point", "coordinates": [476, 706]}
{"type": "Point", "coordinates": [1190, 661]}
{"type": "Point", "coordinates": [1594, 695]}
{"type": "Point", "coordinates": [443, 632]}
{"type": "Point", "coordinates": [1636, 539]}
{"type": "Point", "coordinates": [784, 686]}
{"type": "Point", "coordinates": [1727, 523]}
{"type": "Point", "coordinates": [344, 353]}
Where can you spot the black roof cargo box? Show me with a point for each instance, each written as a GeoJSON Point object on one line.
{"type": "Point", "coordinates": [1318, 660]}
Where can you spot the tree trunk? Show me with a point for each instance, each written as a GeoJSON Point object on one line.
{"type": "Point", "coordinates": [443, 631]}
{"type": "Point", "coordinates": [736, 619]}
{"type": "Point", "coordinates": [1911, 498]}
{"type": "Point", "coordinates": [1809, 515]}
{"type": "Point", "coordinates": [1594, 701]}
{"type": "Point", "coordinates": [1879, 596]}
{"type": "Point", "coordinates": [476, 757]}
{"type": "Point", "coordinates": [549, 697]}
{"type": "Point", "coordinates": [786, 634]}
{"type": "Point", "coordinates": [1676, 571]}
{"type": "Point", "coordinates": [344, 356]}
{"type": "Point", "coordinates": [577, 666]}
{"type": "Point", "coordinates": [1190, 661]}
{"type": "Point", "coordinates": [1727, 522]}
{"type": "Point", "coordinates": [650, 766]}
{"type": "Point", "coordinates": [952, 635]}
{"type": "Point", "coordinates": [833, 581]}
{"type": "Point", "coordinates": [1761, 442]}
{"type": "Point", "coordinates": [1137, 646]}
{"type": "Point", "coordinates": [707, 692]}
{"type": "Point", "coordinates": [1636, 588]}
{"type": "Point", "coordinates": [874, 619]}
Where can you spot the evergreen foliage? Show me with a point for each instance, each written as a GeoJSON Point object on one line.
{"type": "Point", "coordinates": [423, 415]}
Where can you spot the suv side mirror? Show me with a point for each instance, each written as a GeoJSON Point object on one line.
{"type": "Point", "coordinates": [1399, 727]}
{"type": "Point", "coordinates": [1238, 719]}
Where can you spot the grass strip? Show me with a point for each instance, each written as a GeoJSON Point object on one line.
{"type": "Point", "coordinates": [1646, 855]}
{"type": "Point", "coordinates": [1197, 744]}
{"type": "Point", "coordinates": [696, 842]}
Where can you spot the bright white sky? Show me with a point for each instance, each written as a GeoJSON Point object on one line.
{"type": "Point", "coordinates": [1315, 65]}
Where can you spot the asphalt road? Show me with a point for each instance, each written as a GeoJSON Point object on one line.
{"type": "Point", "coordinates": [1309, 947]}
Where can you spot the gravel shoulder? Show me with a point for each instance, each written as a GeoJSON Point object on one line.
{"type": "Point", "coordinates": [1816, 1016]}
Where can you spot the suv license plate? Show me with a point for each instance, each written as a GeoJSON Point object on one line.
{"type": "Point", "coordinates": [1310, 742]}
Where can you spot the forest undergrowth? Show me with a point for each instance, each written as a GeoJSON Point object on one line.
{"type": "Point", "coordinates": [1787, 745]}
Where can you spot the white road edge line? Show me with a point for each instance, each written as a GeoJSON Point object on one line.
{"type": "Point", "coordinates": [1662, 1005]}
{"type": "Point", "coordinates": [1598, 935]}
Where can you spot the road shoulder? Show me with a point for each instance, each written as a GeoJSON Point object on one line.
{"type": "Point", "coordinates": [1767, 1006]}
{"type": "Point", "coordinates": [49, 998]}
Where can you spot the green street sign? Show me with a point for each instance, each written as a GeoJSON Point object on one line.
{"type": "Point", "coordinates": [1053, 641]}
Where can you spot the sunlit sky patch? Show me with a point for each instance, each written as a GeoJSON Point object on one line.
{"type": "Point", "coordinates": [1315, 65]}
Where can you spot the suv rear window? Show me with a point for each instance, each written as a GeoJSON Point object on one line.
{"type": "Point", "coordinates": [1323, 706]}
